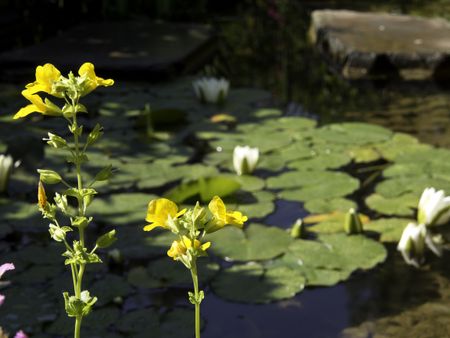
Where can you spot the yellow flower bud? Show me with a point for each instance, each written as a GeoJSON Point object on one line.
{"type": "Point", "coordinates": [42, 197]}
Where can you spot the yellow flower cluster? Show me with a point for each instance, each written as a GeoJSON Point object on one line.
{"type": "Point", "coordinates": [50, 81]}
{"type": "Point", "coordinates": [190, 225]}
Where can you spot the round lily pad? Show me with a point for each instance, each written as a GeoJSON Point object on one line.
{"type": "Point", "coordinates": [121, 209]}
{"type": "Point", "coordinates": [390, 229]}
{"type": "Point", "coordinates": [399, 206]}
{"type": "Point", "coordinates": [256, 242]}
{"type": "Point", "coordinates": [340, 184]}
{"type": "Point", "coordinates": [321, 206]}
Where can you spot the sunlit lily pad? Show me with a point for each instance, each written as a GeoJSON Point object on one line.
{"type": "Point", "coordinates": [399, 206]}
{"type": "Point", "coordinates": [256, 242]}
{"type": "Point", "coordinates": [205, 188]}
{"type": "Point", "coordinates": [320, 206]}
{"type": "Point", "coordinates": [262, 285]}
{"type": "Point", "coordinates": [321, 161]}
{"type": "Point", "coordinates": [390, 229]}
{"type": "Point", "coordinates": [333, 184]}
{"type": "Point", "coordinates": [338, 252]}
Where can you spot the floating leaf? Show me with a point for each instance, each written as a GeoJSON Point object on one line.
{"type": "Point", "coordinates": [390, 229]}
{"type": "Point", "coordinates": [166, 272]}
{"type": "Point", "coordinates": [329, 205]}
{"type": "Point", "coordinates": [256, 242]}
{"type": "Point", "coordinates": [399, 206]}
{"type": "Point", "coordinates": [204, 188]}
{"type": "Point", "coordinates": [262, 285]}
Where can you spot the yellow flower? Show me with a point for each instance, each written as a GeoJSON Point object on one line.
{"type": "Point", "coordinates": [160, 213]}
{"type": "Point", "coordinates": [46, 76]}
{"type": "Point", "coordinates": [222, 216]}
{"type": "Point", "coordinates": [37, 106]}
{"type": "Point", "coordinates": [91, 81]}
{"type": "Point", "coordinates": [179, 248]}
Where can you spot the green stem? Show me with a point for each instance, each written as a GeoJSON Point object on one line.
{"type": "Point", "coordinates": [77, 327]}
{"type": "Point", "coordinates": [78, 273]}
{"type": "Point", "coordinates": [196, 293]}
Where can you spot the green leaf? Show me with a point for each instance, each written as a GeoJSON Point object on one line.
{"type": "Point", "coordinates": [107, 239]}
{"type": "Point", "coordinates": [399, 206]}
{"type": "Point", "coordinates": [206, 189]}
{"type": "Point", "coordinates": [262, 285]}
{"type": "Point", "coordinates": [256, 242]}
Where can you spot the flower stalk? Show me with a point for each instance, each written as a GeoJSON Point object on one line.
{"type": "Point", "coordinates": [190, 227]}
{"type": "Point", "coordinates": [71, 88]}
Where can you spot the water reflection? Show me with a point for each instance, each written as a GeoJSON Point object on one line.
{"type": "Point", "coordinates": [310, 314]}
{"type": "Point", "coordinates": [268, 47]}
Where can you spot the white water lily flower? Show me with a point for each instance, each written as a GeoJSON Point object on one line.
{"type": "Point", "coordinates": [415, 238]}
{"type": "Point", "coordinates": [6, 166]}
{"type": "Point", "coordinates": [211, 89]}
{"type": "Point", "coordinates": [434, 207]}
{"type": "Point", "coordinates": [245, 159]}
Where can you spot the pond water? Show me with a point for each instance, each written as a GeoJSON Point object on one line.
{"type": "Point", "coordinates": [389, 300]}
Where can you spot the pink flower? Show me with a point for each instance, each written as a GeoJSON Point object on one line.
{"type": "Point", "coordinates": [20, 334]}
{"type": "Point", "coordinates": [6, 267]}
{"type": "Point", "coordinates": [2, 299]}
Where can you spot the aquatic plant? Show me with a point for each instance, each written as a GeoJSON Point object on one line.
{"type": "Point", "coordinates": [211, 89]}
{"type": "Point", "coordinates": [71, 89]}
{"type": "Point", "coordinates": [433, 209]}
{"type": "Point", "coordinates": [191, 225]}
{"type": "Point", "coordinates": [352, 222]}
{"type": "Point", "coordinates": [245, 159]}
{"type": "Point", "coordinates": [7, 164]}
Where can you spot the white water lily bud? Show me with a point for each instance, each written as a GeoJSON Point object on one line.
{"type": "Point", "coordinates": [245, 159]}
{"type": "Point", "coordinates": [7, 165]}
{"type": "Point", "coordinates": [211, 90]}
{"type": "Point", "coordinates": [434, 207]}
{"type": "Point", "coordinates": [412, 243]}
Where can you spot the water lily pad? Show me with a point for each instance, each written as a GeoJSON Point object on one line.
{"type": "Point", "coordinates": [364, 154]}
{"type": "Point", "coordinates": [336, 252]}
{"type": "Point", "coordinates": [121, 209]}
{"type": "Point", "coordinates": [320, 206]}
{"type": "Point", "coordinates": [399, 145]}
{"type": "Point", "coordinates": [109, 288]}
{"type": "Point", "coordinates": [399, 206]}
{"type": "Point", "coordinates": [205, 188]}
{"type": "Point", "coordinates": [335, 185]}
{"type": "Point", "coordinates": [398, 186]}
{"type": "Point", "coordinates": [250, 183]}
{"type": "Point", "coordinates": [166, 272]}
{"type": "Point", "coordinates": [353, 133]}
{"type": "Point", "coordinates": [259, 204]}
{"type": "Point", "coordinates": [321, 161]}
{"type": "Point", "coordinates": [390, 229]}
{"type": "Point", "coordinates": [262, 285]}
{"type": "Point", "coordinates": [176, 323]}
{"type": "Point", "coordinates": [256, 242]}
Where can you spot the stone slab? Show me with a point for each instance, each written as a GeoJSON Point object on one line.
{"type": "Point", "coordinates": [132, 49]}
{"type": "Point", "coordinates": [367, 45]}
